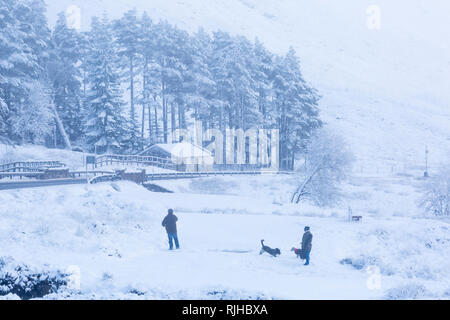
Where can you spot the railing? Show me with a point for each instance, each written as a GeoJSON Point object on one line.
{"type": "Point", "coordinates": [30, 166]}
{"type": "Point", "coordinates": [75, 177]}
{"type": "Point", "coordinates": [40, 183]}
{"type": "Point", "coordinates": [125, 160]}
{"type": "Point", "coordinates": [20, 175]}
{"type": "Point", "coordinates": [78, 174]}
{"type": "Point", "coordinates": [200, 174]}
{"type": "Point", "coordinates": [41, 174]}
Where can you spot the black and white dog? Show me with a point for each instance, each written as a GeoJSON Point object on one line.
{"type": "Point", "coordinates": [269, 250]}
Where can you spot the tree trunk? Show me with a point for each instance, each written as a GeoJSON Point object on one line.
{"type": "Point", "coordinates": [164, 101]}
{"type": "Point", "coordinates": [61, 129]}
{"type": "Point", "coordinates": [156, 124]}
{"type": "Point", "coordinates": [173, 123]}
{"type": "Point", "coordinates": [150, 124]}
{"type": "Point", "coordinates": [165, 118]}
{"type": "Point", "coordinates": [145, 96]}
{"type": "Point", "coordinates": [181, 117]}
{"type": "Point", "coordinates": [132, 110]}
{"type": "Point", "coordinates": [301, 189]}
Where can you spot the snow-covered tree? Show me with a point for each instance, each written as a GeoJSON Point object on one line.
{"type": "Point", "coordinates": [64, 74]}
{"type": "Point", "coordinates": [436, 194]}
{"type": "Point", "coordinates": [327, 162]}
{"type": "Point", "coordinates": [34, 120]}
{"type": "Point", "coordinates": [3, 117]}
{"type": "Point", "coordinates": [263, 71]}
{"type": "Point", "coordinates": [127, 33]}
{"type": "Point", "coordinates": [106, 126]}
{"type": "Point", "coordinates": [201, 85]}
{"type": "Point", "coordinates": [296, 108]}
{"type": "Point", "coordinates": [231, 70]}
{"type": "Point", "coordinates": [18, 62]}
{"type": "Point", "coordinates": [225, 81]}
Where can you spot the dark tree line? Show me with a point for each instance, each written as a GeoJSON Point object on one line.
{"type": "Point", "coordinates": [131, 82]}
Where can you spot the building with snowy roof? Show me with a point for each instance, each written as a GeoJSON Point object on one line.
{"type": "Point", "coordinates": [187, 156]}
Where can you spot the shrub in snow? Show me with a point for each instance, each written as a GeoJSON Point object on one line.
{"type": "Point", "coordinates": [223, 294]}
{"type": "Point", "coordinates": [327, 162]}
{"type": "Point", "coordinates": [21, 281]}
{"type": "Point", "coordinates": [363, 262]}
{"type": "Point", "coordinates": [436, 194]}
{"type": "Point", "coordinates": [407, 292]}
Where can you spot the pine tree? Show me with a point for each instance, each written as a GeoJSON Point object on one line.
{"type": "Point", "coordinates": [126, 31]}
{"type": "Point", "coordinates": [18, 62]}
{"type": "Point", "coordinates": [220, 60]}
{"type": "Point", "coordinates": [106, 127]}
{"type": "Point", "coordinates": [225, 81]}
{"type": "Point", "coordinates": [297, 108]}
{"type": "Point", "coordinates": [245, 82]}
{"type": "Point", "coordinates": [64, 72]}
{"type": "Point", "coordinates": [199, 81]}
{"type": "Point", "coordinates": [37, 31]}
{"type": "Point", "coordinates": [262, 72]}
{"type": "Point", "coordinates": [167, 53]}
{"type": "Point", "coordinates": [24, 51]}
{"type": "Point", "coordinates": [150, 79]}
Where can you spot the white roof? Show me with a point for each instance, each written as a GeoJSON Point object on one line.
{"type": "Point", "coordinates": [185, 150]}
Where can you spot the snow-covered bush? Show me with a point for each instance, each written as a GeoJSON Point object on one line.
{"type": "Point", "coordinates": [436, 194]}
{"type": "Point", "coordinates": [327, 162]}
{"type": "Point", "coordinates": [362, 262]}
{"type": "Point", "coordinates": [22, 281]}
{"type": "Point", "coordinates": [407, 292]}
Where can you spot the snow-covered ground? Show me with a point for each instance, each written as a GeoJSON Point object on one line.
{"type": "Point", "coordinates": [112, 234]}
{"type": "Point", "coordinates": [73, 160]}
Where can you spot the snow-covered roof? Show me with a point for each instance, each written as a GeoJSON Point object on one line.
{"type": "Point", "coordinates": [183, 150]}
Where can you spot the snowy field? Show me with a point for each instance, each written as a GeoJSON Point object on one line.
{"type": "Point", "coordinates": [112, 234]}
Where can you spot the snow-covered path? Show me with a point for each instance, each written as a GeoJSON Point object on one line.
{"type": "Point", "coordinates": [222, 251]}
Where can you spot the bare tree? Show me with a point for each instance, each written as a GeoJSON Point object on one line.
{"type": "Point", "coordinates": [436, 194]}
{"type": "Point", "coordinates": [327, 161]}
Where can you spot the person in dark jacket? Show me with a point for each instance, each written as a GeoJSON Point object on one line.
{"type": "Point", "coordinates": [307, 244]}
{"type": "Point", "coordinates": [170, 223]}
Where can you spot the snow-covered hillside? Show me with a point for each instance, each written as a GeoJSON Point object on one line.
{"type": "Point", "coordinates": [109, 236]}
{"type": "Point", "coordinates": [385, 90]}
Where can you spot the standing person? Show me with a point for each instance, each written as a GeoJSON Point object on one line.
{"type": "Point", "coordinates": [170, 223]}
{"type": "Point", "coordinates": [307, 244]}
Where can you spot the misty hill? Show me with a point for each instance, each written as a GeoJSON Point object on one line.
{"type": "Point", "coordinates": [386, 90]}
